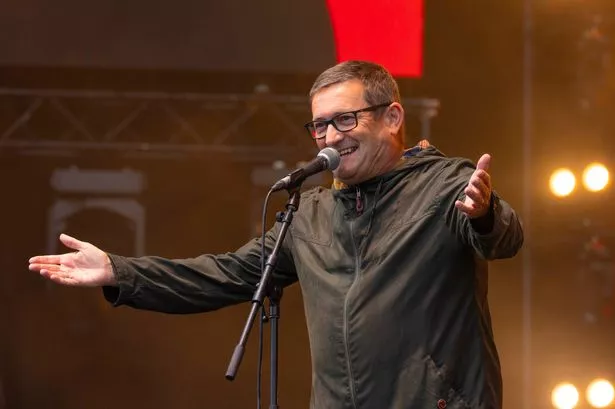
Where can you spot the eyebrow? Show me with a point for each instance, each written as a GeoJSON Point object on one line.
{"type": "Point", "coordinates": [331, 116]}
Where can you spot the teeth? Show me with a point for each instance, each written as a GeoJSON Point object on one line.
{"type": "Point", "coordinates": [347, 151]}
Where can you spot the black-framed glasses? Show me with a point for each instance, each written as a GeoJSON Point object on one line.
{"type": "Point", "coordinates": [344, 122]}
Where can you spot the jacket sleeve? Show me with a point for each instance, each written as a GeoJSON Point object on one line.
{"type": "Point", "coordinates": [204, 283]}
{"type": "Point", "coordinates": [503, 236]}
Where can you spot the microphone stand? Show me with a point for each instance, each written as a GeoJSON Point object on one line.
{"type": "Point", "coordinates": [268, 288]}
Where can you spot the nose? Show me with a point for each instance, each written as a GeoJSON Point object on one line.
{"type": "Point", "coordinates": [333, 136]}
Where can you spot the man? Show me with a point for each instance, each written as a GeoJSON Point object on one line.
{"type": "Point", "coordinates": [392, 261]}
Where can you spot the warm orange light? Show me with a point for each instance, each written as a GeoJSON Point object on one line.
{"type": "Point", "coordinates": [565, 396]}
{"type": "Point", "coordinates": [562, 182]}
{"type": "Point", "coordinates": [595, 177]}
{"type": "Point", "coordinates": [600, 393]}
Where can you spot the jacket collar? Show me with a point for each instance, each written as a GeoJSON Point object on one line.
{"type": "Point", "coordinates": [403, 163]}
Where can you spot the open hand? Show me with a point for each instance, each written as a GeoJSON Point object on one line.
{"type": "Point", "coordinates": [89, 266]}
{"type": "Point", "coordinates": [478, 191]}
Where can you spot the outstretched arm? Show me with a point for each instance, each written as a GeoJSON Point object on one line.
{"type": "Point", "coordinates": [476, 214]}
{"type": "Point", "coordinates": [203, 283]}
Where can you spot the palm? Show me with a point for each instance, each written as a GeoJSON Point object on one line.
{"type": "Point", "coordinates": [83, 264]}
{"type": "Point", "coordinates": [89, 266]}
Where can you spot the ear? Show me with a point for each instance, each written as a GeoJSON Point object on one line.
{"type": "Point", "coordinates": [395, 117]}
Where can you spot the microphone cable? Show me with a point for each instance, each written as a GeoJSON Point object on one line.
{"type": "Point", "coordinates": [262, 312]}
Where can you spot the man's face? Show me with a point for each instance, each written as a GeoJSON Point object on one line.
{"type": "Point", "coordinates": [366, 151]}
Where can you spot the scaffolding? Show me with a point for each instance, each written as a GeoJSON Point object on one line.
{"type": "Point", "coordinates": [259, 125]}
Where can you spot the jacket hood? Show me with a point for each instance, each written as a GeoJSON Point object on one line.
{"type": "Point", "coordinates": [412, 159]}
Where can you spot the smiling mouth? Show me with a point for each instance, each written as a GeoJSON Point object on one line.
{"type": "Point", "coordinates": [347, 151]}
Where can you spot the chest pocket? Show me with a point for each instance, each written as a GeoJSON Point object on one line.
{"type": "Point", "coordinates": [408, 208]}
{"type": "Point", "coordinates": [313, 223]}
{"type": "Point", "coordinates": [408, 217]}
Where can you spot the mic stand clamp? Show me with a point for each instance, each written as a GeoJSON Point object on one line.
{"type": "Point", "coordinates": [268, 288]}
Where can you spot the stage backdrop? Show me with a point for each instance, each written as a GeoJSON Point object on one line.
{"type": "Point", "coordinates": [233, 35]}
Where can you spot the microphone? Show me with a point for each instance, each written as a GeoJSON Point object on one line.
{"type": "Point", "coordinates": [328, 158]}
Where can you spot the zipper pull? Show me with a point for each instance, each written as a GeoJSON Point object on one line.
{"type": "Point", "coordinates": [359, 205]}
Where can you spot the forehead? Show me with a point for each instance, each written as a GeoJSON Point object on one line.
{"type": "Point", "coordinates": [336, 98]}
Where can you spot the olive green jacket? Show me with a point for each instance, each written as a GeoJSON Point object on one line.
{"type": "Point", "coordinates": [394, 283]}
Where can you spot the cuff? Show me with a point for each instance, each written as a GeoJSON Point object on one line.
{"type": "Point", "coordinates": [484, 224]}
{"type": "Point", "coordinates": [118, 294]}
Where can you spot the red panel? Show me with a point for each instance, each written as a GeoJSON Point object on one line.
{"type": "Point", "coordinates": [389, 32]}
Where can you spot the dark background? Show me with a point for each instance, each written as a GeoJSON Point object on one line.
{"type": "Point", "coordinates": [66, 348]}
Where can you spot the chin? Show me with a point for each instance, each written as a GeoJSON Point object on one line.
{"type": "Point", "coordinates": [346, 172]}
{"type": "Point", "coordinates": [347, 180]}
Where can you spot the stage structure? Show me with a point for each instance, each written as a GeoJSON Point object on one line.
{"type": "Point", "coordinates": [259, 126]}
{"type": "Point", "coordinates": [112, 190]}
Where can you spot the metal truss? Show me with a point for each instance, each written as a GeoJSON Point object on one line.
{"type": "Point", "coordinates": [258, 126]}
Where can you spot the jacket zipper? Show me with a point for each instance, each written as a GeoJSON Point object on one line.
{"type": "Point", "coordinates": [353, 393]}
{"type": "Point", "coordinates": [359, 203]}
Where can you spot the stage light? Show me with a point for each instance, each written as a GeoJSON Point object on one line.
{"type": "Point", "coordinates": [595, 177]}
{"type": "Point", "coordinates": [562, 182]}
{"type": "Point", "coordinates": [565, 396]}
{"type": "Point", "coordinates": [600, 393]}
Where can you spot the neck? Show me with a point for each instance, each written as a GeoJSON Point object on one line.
{"type": "Point", "coordinates": [394, 159]}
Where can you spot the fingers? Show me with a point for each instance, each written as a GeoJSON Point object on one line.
{"type": "Point", "coordinates": [53, 272]}
{"type": "Point", "coordinates": [53, 259]}
{"type": "Point", "coordinates": [72, 243]}
{"type": "Point", "coordinates": [41, 266]}
{"type": "Point", "coordinates": [478, 190]}
{"type": "Point", "coordinates": [59, 267]}
{"type": "Point", "coordinates": [57, 259]}
{"type": "Point", "coordinates": [479, 186]}
{"type": "Point", "coordinates": [465, 208]}
{"type": "Point", "coordinates": [476, 201]}
{"type": "Point", "coordinates": [476, 196]}
{"type": "Point", "coordinates": [58, 276]}
{"type": "Point", "coordinates": [484, 162]}
{"type": "Point", "coordinates": [69, 242]}
{"type": "Point", "coordinates": [51, 264]}
{"type": "Point", "coordinates": [482, 176]}
{"type": "Point", "coordinates": [471, 208]}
